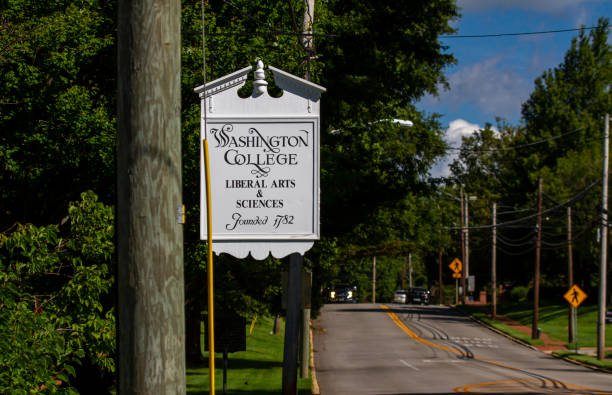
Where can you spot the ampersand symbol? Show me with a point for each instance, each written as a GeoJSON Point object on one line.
{"type": "Point", "coordinates": [259, 194]}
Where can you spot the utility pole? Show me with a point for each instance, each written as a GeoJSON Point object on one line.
{"type": "Point", "coordinates": [466, 262]}
{"type": "Point", "coordinates": [374, 280]}
{"type": "Point", "coordinates": [307, 39]}
{"type": "Point", "coordinates": [410, 270]}
{"type": "Point", "coordinates": [307, 42]}
{"type": "Point", "coordinates": [570, 276]}
{"type": "Point", "coordinates": [603, 269]}
{"type": "Point", "coordinates": [151, 302]}
{"type": "Point", "coordinates": [467, 236]}
{"type": "Point", "coordinates": [463, 271]}
{"type": "Point", "coordinates": [494, 264]}
{"type": "Point", "coordinates": [404, 275]}
{"type": "Point", "coordinates": [440, 286]}
{"type": "Point", "coordinates": [536, 281]}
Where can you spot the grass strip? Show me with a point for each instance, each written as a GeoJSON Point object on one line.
{"type": "Point", "coordinates": [255, 371]}
{"type": "Point", "coordinates": [588, 359]}
{"type": "Point", "coordinates": [554, 319]}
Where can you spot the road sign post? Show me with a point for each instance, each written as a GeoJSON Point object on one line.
{"type": "Point", "coordinates": [575, 296]}
{"type": "Point", "coordinates": [456, 267]}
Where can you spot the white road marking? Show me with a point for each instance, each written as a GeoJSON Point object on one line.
{"type": "Point", "coordinates": [409, 365]}
{"type": "Point", "coordinates": [443, 360]}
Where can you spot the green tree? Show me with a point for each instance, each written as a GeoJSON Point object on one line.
{"type": "Point", "coordinates": [56, 313]}
{"type": "Point", "coordinates": [56, 106]}
{"type": "Point", "coordinates": [560, 141]}
{"type": "Point", "coordinates": [568, 103]}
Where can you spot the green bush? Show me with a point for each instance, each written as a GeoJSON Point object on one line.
{"type": "Point", "coordinates": [519, 293]}
{"type": "Point", "coordinates": [53, 282]}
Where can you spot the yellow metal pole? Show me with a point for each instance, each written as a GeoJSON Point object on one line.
{"type": "Point", "coordinates": [209, 265]}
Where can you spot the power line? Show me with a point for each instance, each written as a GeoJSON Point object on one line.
{"type": "Point", "coordinates": [519, 240]}
{"type": "Point", "coordinates": [516, 211]}
{"type": "Point", "coordinates": [516, 146]}
{"type": "Point", "coordinates": [268, 33]}
{"type": "Point", "coordinates": [571, 201]}
{"type": "Point", "coordinates": [516, 254]}
{"type": "Point", "coordinates": [519, 34]}
{"type": "Point", "coordinates": [525, 243]}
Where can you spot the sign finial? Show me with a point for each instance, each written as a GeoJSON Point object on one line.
{"type": "Point", "coordinates": [260, 85]}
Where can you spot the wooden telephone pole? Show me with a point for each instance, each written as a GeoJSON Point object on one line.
{"type": "Point", "coordinates": [151, 318]}
{"type": "Point", "coordinates": [463, 230]}
{"type": "Point", "coordinates": [603, 265]}
{"type": "Point", "coordinates": [374, 280]}
{"type": "Point", "coordinates": [570, 276]}
{"type": "Point", "coordinates": [494, 264]}
{"type": "Point", "coordinates": [536, 281]}
{"type": "Point", "coordinates": [440, 285]}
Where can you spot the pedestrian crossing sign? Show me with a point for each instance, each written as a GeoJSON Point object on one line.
{"type": "Point", "coordinates": [456, 265]}
{"type": "Point", "coordinates": [575, 296]}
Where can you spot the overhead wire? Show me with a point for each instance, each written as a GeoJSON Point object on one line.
{"type": "Point", "coordinates": [275, 31]}
{"type": "Point", "coordinates": [519, 240]}
{"type": "Point", "coordinates": [569, 202]}
{"type": "Point", "coordinates": [517, 253]}
{"type": "Point", "coordinates": [516, 146]}
{"type": "Point", "coordinates": [526, 243]}
{"type": "Point", "coordinates": [516, 211]}
{"type": "Point", "coordinates": [519, 33]}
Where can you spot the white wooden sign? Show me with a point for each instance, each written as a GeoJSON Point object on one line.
{"type": "Point", "coordinates": [264, 164]}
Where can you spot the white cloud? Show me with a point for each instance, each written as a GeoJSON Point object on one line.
{"type": "Point", "coordinates": [456, 130]}
{"type": "Point", "coordinates": [488, 86]}
{"type": "Point", "coordinates": [546, 6]}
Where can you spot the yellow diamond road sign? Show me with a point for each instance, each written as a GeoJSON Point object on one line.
{"type": "Point", "coordinates": [575, 296]}
{"type": "Point", "coordinates": [455, 265]}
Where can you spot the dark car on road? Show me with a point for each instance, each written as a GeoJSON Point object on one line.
{"type": "Point", "coordinates": [341, 293]}
{"type": "Point", "coordinates": [419, 295]}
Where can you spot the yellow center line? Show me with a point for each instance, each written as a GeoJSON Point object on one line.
{"type": "Point", "coordinates": [419, 339]}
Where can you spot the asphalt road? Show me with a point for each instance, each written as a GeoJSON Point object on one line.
{"type": "Point", "coordinates": [404, 349]}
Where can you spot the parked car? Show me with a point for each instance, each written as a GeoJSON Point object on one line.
{"type": "Point", "coordinates": [342, 293]}
{"type": "Point", "coordinates": [400, 296]}
{"type": "Point", "coordinates": [419, 295]}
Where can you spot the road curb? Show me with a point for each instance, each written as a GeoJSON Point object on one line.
{"type": "Point", "coordinates": [507, 336]}
{"type": "Point", "coordinates": [586, 365]}
{"type": "Point", "coordinates": [313, 372]}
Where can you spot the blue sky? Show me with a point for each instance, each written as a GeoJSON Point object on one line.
{"type": "Point", "coordinates": [494, 76]}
